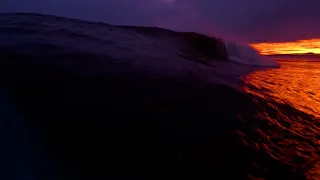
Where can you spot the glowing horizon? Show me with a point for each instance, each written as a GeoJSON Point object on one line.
{"type": "Point", "coordinates": [293, 47]}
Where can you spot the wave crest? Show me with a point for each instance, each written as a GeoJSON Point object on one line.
{"type": "Point", "coordinates": [245, 54]}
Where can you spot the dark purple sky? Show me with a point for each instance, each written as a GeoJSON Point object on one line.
{"type": "Point", "coordinates": [248, 20]}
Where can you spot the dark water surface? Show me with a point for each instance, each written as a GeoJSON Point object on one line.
{"type": "Point", "coordinates": [99, 103]}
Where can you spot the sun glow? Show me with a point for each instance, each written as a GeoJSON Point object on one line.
{"type": "Point", "coordinates": [294, 47]}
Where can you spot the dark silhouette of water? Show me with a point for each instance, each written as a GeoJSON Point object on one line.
{"type": "Point", "coordinates": [114, 106]}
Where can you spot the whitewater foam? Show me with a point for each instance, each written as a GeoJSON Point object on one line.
{"type": "Point", "coordinates": [245, 54]}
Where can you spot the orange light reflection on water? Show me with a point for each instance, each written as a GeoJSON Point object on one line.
{"type": "Point", "coordinates": [290, 137]}
{"type": "Point", "coordinates": [294, 47]}
{"type": "Point", "coordinates": [295, 83]}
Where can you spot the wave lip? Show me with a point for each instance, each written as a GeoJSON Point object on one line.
{"type": "Point", "coordinates": [121, 42]}
{"type": "Point", "coordinates": [245, 54]}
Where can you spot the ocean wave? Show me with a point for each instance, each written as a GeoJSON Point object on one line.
{"type": "Point", "coordinates": [113, 102]}
{"type": "Point", "coordinates": [245, 54]}
{"type": "Point", "coordinates": [108, 39]}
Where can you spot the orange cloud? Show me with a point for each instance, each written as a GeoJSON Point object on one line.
{"type": "Point", "coordinates": [294, 47]}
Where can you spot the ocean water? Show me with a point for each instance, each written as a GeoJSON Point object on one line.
{"type": "Point", "coordinates": [107, 102]}
{"type": "Point", "coordinates": [292, 133]}
{"type": "Point", "coordinates": [295, 83]}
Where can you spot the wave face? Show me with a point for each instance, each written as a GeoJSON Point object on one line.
{"type": "Point", "coordinates": [115, 102]}
{"type": "Point", "coordinates": [245, 54]}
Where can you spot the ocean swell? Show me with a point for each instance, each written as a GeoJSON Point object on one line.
{"type": "Point", "coordinates": [137, 102]}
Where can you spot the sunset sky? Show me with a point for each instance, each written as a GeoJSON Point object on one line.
{"type": "Point", "coordinates": [293, 47]}
{"type": "Point", "coordinates": [246, 20]}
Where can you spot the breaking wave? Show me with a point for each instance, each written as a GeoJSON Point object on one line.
{"type": "Point", "coordinates": [245, 54]}
{"type": "Point", "coordinates": [113, 101]}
